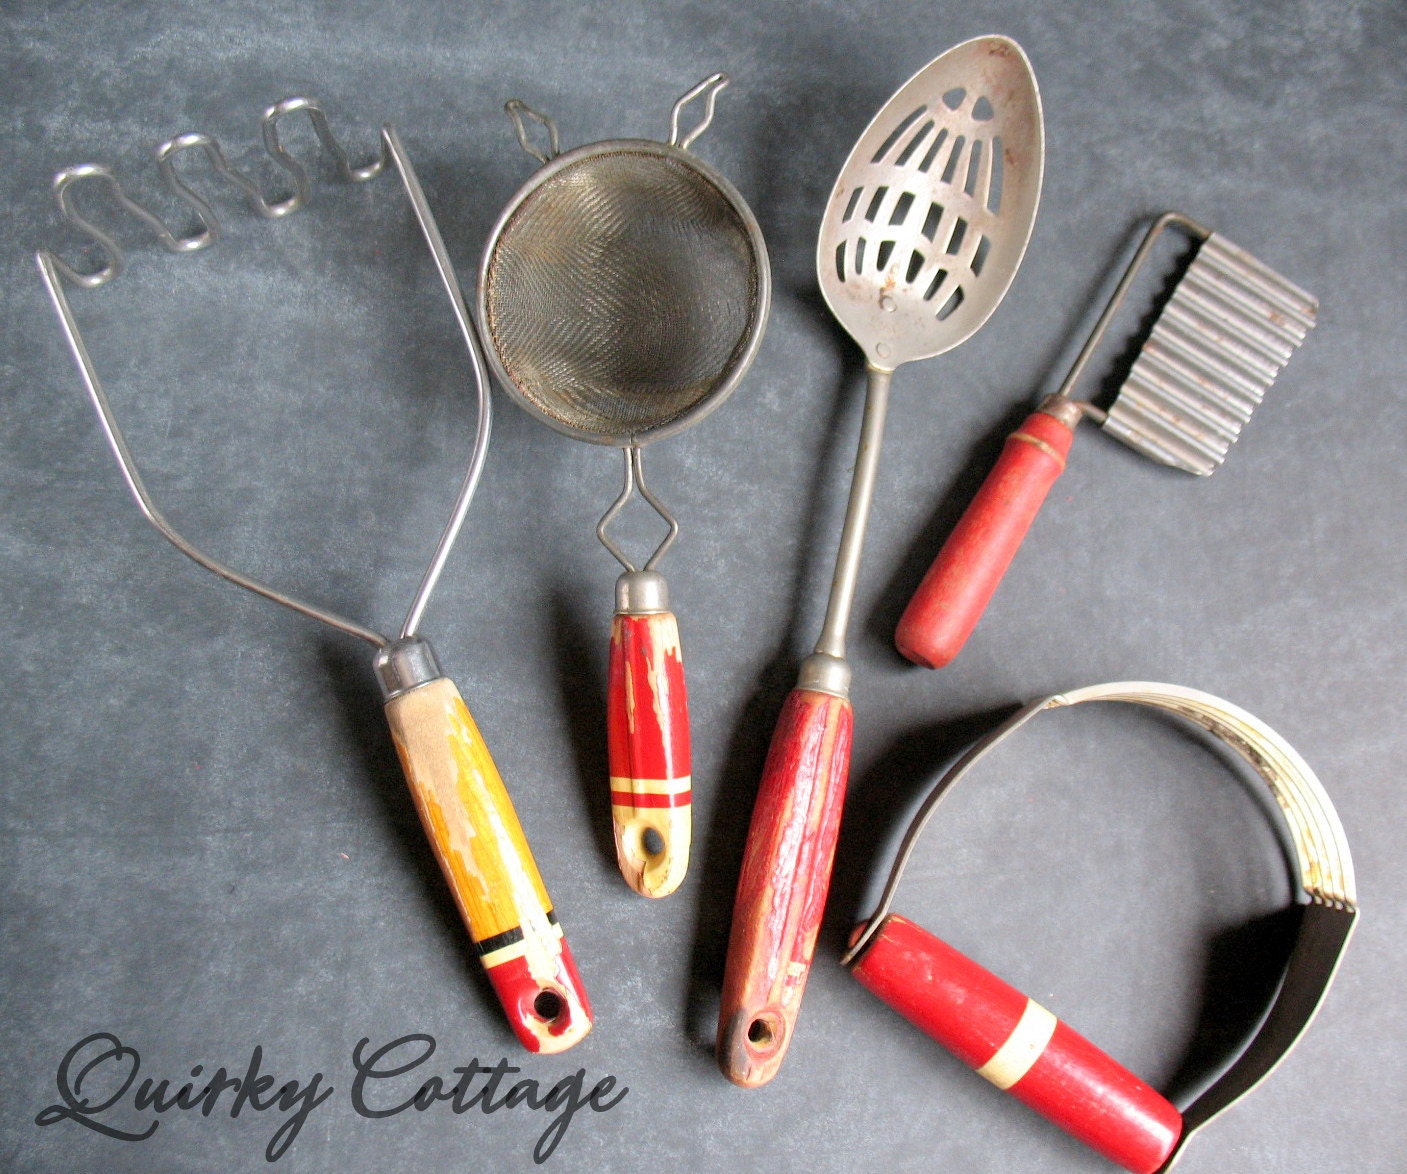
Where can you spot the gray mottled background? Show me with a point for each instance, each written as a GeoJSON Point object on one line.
{"type": "Point", "coordinates": [206, 841]}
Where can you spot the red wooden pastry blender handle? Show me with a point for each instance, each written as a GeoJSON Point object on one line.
{"type": "Point", "coordinates": [782, 889]}
{"type": "Point", "coordinates": [647, 724]}
{"type": "Point", "coordinates": [1018, 1045]}
{"type": "Point", "coordinates": [960, 583]}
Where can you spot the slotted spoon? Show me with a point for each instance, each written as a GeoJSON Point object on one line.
{"type": "Point", "coordinates": [923, 233]}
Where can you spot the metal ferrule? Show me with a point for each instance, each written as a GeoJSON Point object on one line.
{"type": "Point", "coordinates": [641, 593]}
{"type": "Point", "coordinates": [1069, 412]}
{"type": "Point", "coordinates": [823, 673]}
{"type": "Point", "coordinates": [404, 665]}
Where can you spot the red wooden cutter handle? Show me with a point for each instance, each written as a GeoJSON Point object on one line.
{"type": "Point", "coordinates": [782, 889]}
{"type": "Point", "coordinates": [647, 724]}
{"type": "Point", "coordinates": [1018, 1045]}
{"type": "Point", "coordinates": [960, 583]}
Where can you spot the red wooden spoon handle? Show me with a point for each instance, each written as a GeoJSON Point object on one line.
{"type": "Point", "coordinates": [782, 889]}
{"type": "Point", "coordinates": [960, 583]}
{"type": "Point", "coordinates": [647, 724]}
{"type": "Point", "coordinates": [1018, 1045]}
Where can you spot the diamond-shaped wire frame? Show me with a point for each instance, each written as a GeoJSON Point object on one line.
{"type": "Point", "coordinates": [635, 477]}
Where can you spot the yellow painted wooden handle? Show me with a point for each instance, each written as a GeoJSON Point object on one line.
{"type": "Point", "coordinates": [484, 855]}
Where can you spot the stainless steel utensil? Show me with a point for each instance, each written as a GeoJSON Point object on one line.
{"type": "Point", "coordinates": [623, 294]}
{"type": "Point", "coordinates": [1218, 343]}
{"type": "Point", "coordinates": [922, 236]}
{"type": "Point", "coordinates": [467, 814]}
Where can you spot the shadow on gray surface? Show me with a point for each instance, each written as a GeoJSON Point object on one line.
{"type": "Point", "coordinates": [880, 804]}
{"type": "Point", "coordinates": [1244, 966]}
{"type": "Point", "coordinates": [805, 137]}
{"type": "Point", "coordinates": [581, 685]}
{"type": "Point", "coordinates": [466, 193]}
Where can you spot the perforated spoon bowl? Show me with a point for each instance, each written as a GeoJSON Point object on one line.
{"type": "Point", "coordinates": [921, 238]}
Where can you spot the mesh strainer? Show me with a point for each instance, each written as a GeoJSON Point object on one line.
{"type": "Point", "coordinates": [623, 294]}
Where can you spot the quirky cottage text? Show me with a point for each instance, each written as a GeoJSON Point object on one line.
{"type": "Point", "coordinates": [99, 1090]}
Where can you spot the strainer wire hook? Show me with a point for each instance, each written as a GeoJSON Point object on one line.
{"type": "Point", "coordinates": [708, 89]}
{"type": "Point", "coordinates": [520, 112]}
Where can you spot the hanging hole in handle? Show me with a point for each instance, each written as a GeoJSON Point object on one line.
{"type": "Point", "coordinates": [548, 1005]}
{"type": "Point", "coordinates": [520, 112]}
{"type": "Point", "coordinates": [709, 89]}
{"type": "Point", "coordinates": [764, 1033]}
{"type": "Point", "coordinates": [652, 842]}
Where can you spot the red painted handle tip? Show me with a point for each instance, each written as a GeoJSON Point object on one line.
{"type": "Point", "coordinates": [647, 724]}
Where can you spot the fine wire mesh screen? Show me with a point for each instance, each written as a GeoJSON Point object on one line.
{"type": "Point", "coordinates": [622, 292]}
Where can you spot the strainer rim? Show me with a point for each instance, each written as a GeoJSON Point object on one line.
{"type": "Point", "coordinates": [757, 326]}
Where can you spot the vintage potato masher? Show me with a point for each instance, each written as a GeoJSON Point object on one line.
{"type": "Point", "coordinates": [465, 810]}
{"type": "Point", "coordinates": [1022, 1048]}
{"type": "Point", "coordinates": [920, 240]}
{"type": "Point", "coordinates": [622, 296]}
{"type": "Point", "coordinates": [1219, 341]}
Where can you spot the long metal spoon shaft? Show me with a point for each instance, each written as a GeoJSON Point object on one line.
{"type": "Point", "coordinates": [857, 513]}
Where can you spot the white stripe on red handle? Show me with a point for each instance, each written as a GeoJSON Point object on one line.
{"type": "Point", "coordinates": [647, 726]}
{"type": "Point", "coordinates": [1018, 1045]}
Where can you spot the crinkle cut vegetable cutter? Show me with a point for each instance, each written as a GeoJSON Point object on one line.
{"type": "Point", "coordinates": [463, 805]}
{"type": "Point", "coordinates": [1022, 1048]}
{"type": "Point", "coordinates": [1219, 341]}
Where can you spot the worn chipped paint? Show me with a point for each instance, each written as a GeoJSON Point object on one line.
{"type": "Point", "coordinates": [476, 836]}
{"type": "Point", "coordinates": [647, 720]}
